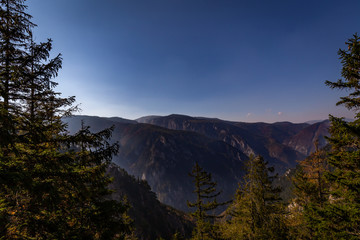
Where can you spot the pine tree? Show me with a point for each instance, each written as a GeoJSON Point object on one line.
{"type": "Point", "coordinates": [311, 191]}
{"type": "Point", "coordinates": [206, 193]}
{"type": "Point", "coordinates": [14, 32]}
{"type": "Point", "coordinates": [339, 218]}
{"type": "Point", "coordinates": [53, 185]}
{"type": "Point", "coordinates": [256, 212]}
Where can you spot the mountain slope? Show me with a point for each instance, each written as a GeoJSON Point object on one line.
{"type": "Point", "coordinates": [304, 140]}
{"type": "Point", "coordinates": [163, 151]}
{"type": "Point", "coordinates": [151, 219]}
{"type": "Point", "coordinates": [164, 157]}
{"type": "Point", "coordinates": [279, 131]}
{"type": "Point", "coordinates": [258, 138]}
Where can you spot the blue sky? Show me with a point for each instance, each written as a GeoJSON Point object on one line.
{"type": "Point", "coordinates": [236, 60]}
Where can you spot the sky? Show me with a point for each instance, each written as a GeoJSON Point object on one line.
{"type": "Point", "coordinates": [237, 60]}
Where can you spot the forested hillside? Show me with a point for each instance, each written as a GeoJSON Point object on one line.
{"type": "Point", "coordinates": [151, 219]}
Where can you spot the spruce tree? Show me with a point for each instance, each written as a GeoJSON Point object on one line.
{"type": "Point", "coordinates": [206, 193]}
{"type": "Point", "coordinates": [339, 218]}
{"type": "Point", "coordinates": [14, 33]}
{"type": "Point", "coordinates": [257, 211]}
{"type": "Point", "coordinates": [311, 191]}
{"type": "Point", "coordinates": [53, 185]}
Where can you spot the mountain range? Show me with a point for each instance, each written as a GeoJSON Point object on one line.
{"type": "Point", "coordinates": [163, 149]}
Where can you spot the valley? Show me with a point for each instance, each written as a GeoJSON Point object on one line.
{"type": "Point", "coordinates": [162, 150]}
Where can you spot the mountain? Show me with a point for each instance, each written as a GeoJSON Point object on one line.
{"type": "Point", "coordinates": [164, 157]}
{"type": "Point", "coordinates": [151, 219]}
{"type": "Point", "coordinates": [304, 140]}
{"type": "Point", "coordinates": [162, 150]}
{"type": "Point", "coordinates": [250, 138]}
{"type": "Point", "coordinates": [96, 123]}
{"type": "Point", "coordinates": [279, 131]}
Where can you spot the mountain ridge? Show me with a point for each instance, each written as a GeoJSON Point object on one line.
{"type": "Point", "coordinates": [239, 135]}
{"type": "Point", "coordinates": [162, 150]}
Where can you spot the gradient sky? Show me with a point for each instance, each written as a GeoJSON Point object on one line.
{"type": "Point", "coordinates": [255, 60]}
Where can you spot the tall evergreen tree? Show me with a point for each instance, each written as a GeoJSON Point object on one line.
{"type": "Point", "coordinates": [257, 212]}
{"type": "Point", "coordinates": [206, 193]}
{"type": "Point", "coordinates": [311, 191]}
{"type": "Point", "coordinates": [53, 185]}
{"type": "Point", "coordinates": [339, 218]}
{"type": "Point", "coordinates": [14, 33]}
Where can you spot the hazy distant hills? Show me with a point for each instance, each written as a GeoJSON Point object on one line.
{"type": "Point", "coordinates": [162, 150]}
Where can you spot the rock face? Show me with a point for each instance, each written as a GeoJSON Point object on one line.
{"type": "Point", "coordinates": [268, 140]}
{"type": "Point", "coordinates": [162, 150]}
{"type": "Point", "coordinates": [304, 140]}
{"type": "Point", "coordinates": [164, 158]}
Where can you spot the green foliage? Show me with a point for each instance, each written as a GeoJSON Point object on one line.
{"type": "Point", "coordinates": [206, 194]}
{"type": "Point", "coordinates": [53, 186]}
{"type": "Point", "coordinates": [311, 191]}
{"type": "Point", "coordinates": [350, 73]}
{"type": "Point", "coordinates": [177, 236]}
{"type": "Point", "coordinates": [257, 211]}
{"type": "Point", "coordinates": [339, 216]}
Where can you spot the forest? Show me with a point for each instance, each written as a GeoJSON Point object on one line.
{"type": "Point", "coordinates": [55, 185]}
